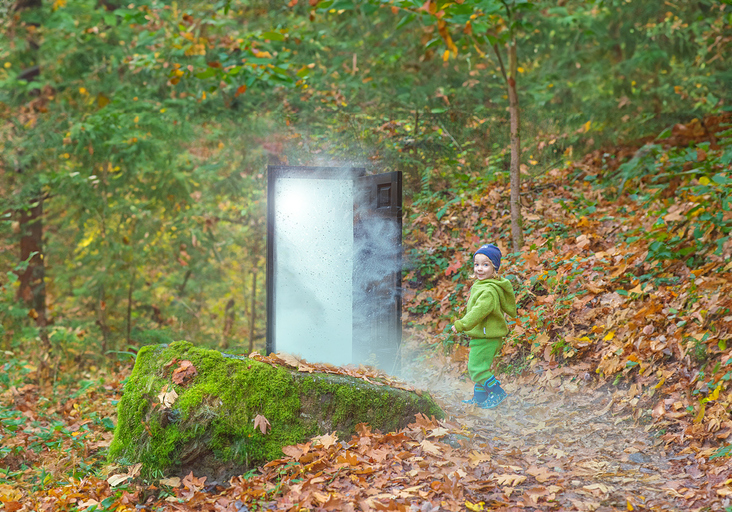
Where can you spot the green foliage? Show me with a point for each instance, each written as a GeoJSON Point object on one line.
{"type": "Point", "coordinates": [698, 226]}
{"type": "Point", "coordinates": [147, 127]}
{"type": "Point", "coordinates": [128, 178]}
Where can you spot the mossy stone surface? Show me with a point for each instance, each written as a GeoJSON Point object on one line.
{"type": "Point", "coordinates": [210, 427]}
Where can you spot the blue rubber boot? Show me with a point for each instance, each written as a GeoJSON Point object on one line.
{"type": "Point", "coordinates": [479, 395]}
{"type": "Point", "coordinates": [495, 394]}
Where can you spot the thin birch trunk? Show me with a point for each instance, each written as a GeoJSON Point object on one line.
{"type": "Point", "coordinates": [517, 236]}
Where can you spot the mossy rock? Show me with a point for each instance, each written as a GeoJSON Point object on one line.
{"type": "Point", "coordinates": [210, 426]}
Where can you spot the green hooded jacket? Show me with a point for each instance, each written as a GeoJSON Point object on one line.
{"type": "Point", "coordinates": [489, 300]}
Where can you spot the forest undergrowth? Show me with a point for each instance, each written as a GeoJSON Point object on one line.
{"type": "Point", "coordinates": [618, 366]}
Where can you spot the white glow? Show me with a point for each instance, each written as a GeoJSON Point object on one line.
{"type": "Point", "coordinates": [292, 198]}
{"type": "Point", "coordinates": [313, 269]}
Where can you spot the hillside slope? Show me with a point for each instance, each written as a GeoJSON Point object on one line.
{"type": "Point", "coordinates": [625, 277]}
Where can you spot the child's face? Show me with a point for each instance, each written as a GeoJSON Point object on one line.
{"type": "Point", "coordinates": [483, 267]}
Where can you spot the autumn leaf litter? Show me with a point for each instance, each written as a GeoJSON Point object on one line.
{"type": "Point", "coordinates": [605, 408]}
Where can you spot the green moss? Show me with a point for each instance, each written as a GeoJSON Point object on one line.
{"type": "Point", "coordinates": [211, 424]}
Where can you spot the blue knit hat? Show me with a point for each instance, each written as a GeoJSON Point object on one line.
{"type": "Point", "coordinates": [493, 253]}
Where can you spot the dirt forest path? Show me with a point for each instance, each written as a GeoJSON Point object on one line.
{"type": "Point", "coordinates": [559, 443]}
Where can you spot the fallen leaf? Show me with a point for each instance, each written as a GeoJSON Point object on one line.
{"type": "Point", "coordinates": [173, 481]}
{"type": "Point", "coordinates": [474, 506]}
{"type": "Point", "coordinates": [293, 451]}
{"type": "Point", "coordinates": [262, 423]}
{"type": "Point", "coordinates": [167, 398]}
{"type": "Point", "coordinates": [541, 474]}
{"type": "Point", "coordinates": [599, 487]}
{"type": "Point", "coordinates": [542, 339]}
{"type": "Point", "coordinates": [134, 470]}
{"type": "Point", "coordinates": [659, 410]}
{"type": "Point", "coordinates": [429, 447]}
{"type": "Point", "coordinates": [637, 290]}
{"type": "Point", "coordinates": [184, 373]}
{"type": "Point", "coordinates": [327, 440]}
{"type": "Point", "coordinates": [454, 267]}
{"type": "Point", "coordinates": [438, 432]}
{"type": "Point", "coordinates": [674, 217]}
{"type": "Point", "coordinates": [510, 480]}
{"type": "Point", "coordinates": [193, 483]}
{"type": "Point", "coordinates": [289, 359]}
{"type": "Point", "coordinates": [115, 480]}
{"type": "Point", "coordinates": [477, 457]}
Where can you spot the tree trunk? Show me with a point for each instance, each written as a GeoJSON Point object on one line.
{"type": "Point", "coordinates": [129, 305]}
{"type": "Point", "coordinates": [252, 313]}
{"type": "Point", "coordinates": [229, 316]}
{"type": "Point", "coordinates": [513, 106]}
{"type": "Point", "coordinates": [32, 289]}
{"type": "Point", "coordinates": [102, 319]}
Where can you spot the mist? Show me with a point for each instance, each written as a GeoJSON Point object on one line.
{"type": "Point", "coordinates": [335, 270]}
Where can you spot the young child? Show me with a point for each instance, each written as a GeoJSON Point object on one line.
{"type": "Point", "coordinates": [490, 297]}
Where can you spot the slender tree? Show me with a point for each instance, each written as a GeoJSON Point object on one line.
{"type": "Point", "coordinates": [482, 24]}
{"type": "Point", "coordinates": [32, 284]}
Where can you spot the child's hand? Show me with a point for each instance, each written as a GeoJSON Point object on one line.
{"type": "Point", "coordinates": [453, 329]}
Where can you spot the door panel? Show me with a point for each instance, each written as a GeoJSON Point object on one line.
{"type": "Point", "coordinates": [377, 325]}
{"type": "Point", "coordinates": [323, 223]}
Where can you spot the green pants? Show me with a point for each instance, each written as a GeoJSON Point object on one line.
{"type": "Point", "coordinates": [482, 353]}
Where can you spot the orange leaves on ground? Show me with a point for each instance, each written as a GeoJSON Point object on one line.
{"type": "Point", "coordinates": [10, 497]}
{"type": "Point", "coordinates": [184, 373]}
{"type": "Point", "coordinates": [454, 267]}
{"type": "Point", "coordinates": [192, 483]}
{"type": "Point", "coordinates": [376, 471]}
{"type": "Point", "coordinates": [589, 293]}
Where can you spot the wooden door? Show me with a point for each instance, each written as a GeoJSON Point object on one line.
{"type": "Point", "coordinates": [377, 292]}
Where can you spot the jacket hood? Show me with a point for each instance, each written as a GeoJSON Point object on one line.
{"type": "Point", "coordinates": [503, 288]}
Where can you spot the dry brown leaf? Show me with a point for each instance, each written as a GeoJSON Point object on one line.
{"type": "Point", "coordinates": [184, 373]}
{"type": "Point", "coordinates": [541, 474]}
{"type": "Point", "coordinates": [429, 447]}
{"type": "Point", "coordinates": [262, 423]}
{"type": "Point", "coordinates": [289, 359]}
{"type": "Point", "coordinates": [476, 458]}
{"type": "Point", "coordinates": [115, 480]}
{"type": "Point", "coordinates": [134, 470]}
{"type": "Point", "coordinates": [85, 504]}
{"type": "Point", "coordinates": [167, 397]}
{"type": "Point", "coordinates": [327, 440]}
{"type": "Point", "coordinates": [193, 483]}
{"type": "Point", "coordinates": [293, 451]}
{"type": "Point", "coordinates": [510, 480]}
{"type": "Point", "coordinates": [173, 481]}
